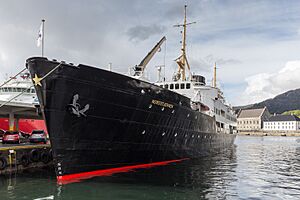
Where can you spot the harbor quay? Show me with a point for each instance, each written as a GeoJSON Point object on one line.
{"type": "Point", "coordinates": [16, 158]}
{"type": "Point", "coordinates": [270, 133]}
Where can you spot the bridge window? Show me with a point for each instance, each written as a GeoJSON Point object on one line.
{"type": "Point", "coordinates": [182, 86]}
{"type": "Point", "coordinates": [188, 86]}
{"type": "Point", "coordinates": [176, 86]}
{"type": "Point", "coordinates": [167, 86]}
{"type": "Point", "coordinates": [171, 86]}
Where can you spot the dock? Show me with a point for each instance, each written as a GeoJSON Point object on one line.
{"type": "Point", "coordinates": [18, 157]}
{"type": "Point", "coordinates": [270, 133]}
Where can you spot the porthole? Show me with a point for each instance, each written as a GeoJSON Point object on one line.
{"type": "Point", "coordinates": [175, 135]}
{"type": "Point", "coordinates": [143, 91]}
{"type": "Point", "coordinates": [144, 131]}
{"type": "Point", "coordinates": [163, 108]}
{"type": "Point", "coordinates": [173, 111]}
{"type": "Point", "coordinates": [164, 133]}
{"type": "Point", "coordinates": [150, 106]}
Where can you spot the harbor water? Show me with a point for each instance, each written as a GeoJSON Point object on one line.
{"type": "Point", "coordinates": [255, 168]}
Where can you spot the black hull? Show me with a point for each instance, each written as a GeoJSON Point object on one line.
{"type": "Point", "coordinates": [127, 122]}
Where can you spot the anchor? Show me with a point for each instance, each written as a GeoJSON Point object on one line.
{"type": "Point", "coordinates": [75, 107]}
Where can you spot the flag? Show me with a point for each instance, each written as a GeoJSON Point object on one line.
{"type": "Point", "coordinates": [40, 35]}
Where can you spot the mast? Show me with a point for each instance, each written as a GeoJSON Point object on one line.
{"type": "Point", "coordinates": [43, 37]}
{"type": "Point", "coordinates": [215, 76]}
{"type": "Point", "coordinates": [182, 61]}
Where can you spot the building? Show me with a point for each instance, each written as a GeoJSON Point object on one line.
{"type": "Point", "coordinates": [282, 123]}
{"type": "Point", "coordinates": [252, 119]}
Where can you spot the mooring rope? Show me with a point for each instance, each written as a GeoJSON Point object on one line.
{"type": "Point", "coordinates": [13, 77]}
{"type": "Point", "coordinates": [50, 72]}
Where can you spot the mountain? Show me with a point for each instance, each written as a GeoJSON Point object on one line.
{"type": "Point", "coordinates": [287, 101]}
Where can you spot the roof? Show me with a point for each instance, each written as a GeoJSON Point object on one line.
{"type": "Point", "coordinates": [277, 118]}
{"type": "Point", "coordinates": [251, 113]}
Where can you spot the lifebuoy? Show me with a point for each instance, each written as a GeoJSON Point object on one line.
{"type": "Point", "coordinates": [34, 155]}
{"type": "Point", "coordinates": [3, 163]}
{"type": "Point", "coordinates": [25, 160]}
{"type": "Point", "coordinates": [45, 158]}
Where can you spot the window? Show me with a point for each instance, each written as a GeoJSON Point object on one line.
{"type": "Point", "coordinates": [171, 86]}
{"type": "Point", "coordinates": [182, 86]}
{"type": "Point", "coordinates": [167, 86]}
{"type": "Point", "coordinates": [188, 86]}
{"type": "Point", "coordinates": [176, 86]}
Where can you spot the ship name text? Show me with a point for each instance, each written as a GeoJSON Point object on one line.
{"type": "Point", "coordinates": [161, 103]}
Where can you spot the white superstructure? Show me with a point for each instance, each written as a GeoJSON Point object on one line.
{"type": "Point", "coordinates": [19, 92]}
{"type": "Point", "coordinates": [206, 99]}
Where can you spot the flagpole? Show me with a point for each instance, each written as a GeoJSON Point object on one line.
{"type": "Point", "coordinates": [43, 38]}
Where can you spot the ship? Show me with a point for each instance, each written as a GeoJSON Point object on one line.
{"type": "Point", "coordinates": [102, 122]}
{"type": "Point", "coordinates": [19, 92]}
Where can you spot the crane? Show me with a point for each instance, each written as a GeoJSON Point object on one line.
{"type": "Point", "coordinates": [139, 69]}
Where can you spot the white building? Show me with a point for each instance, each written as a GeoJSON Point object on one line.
{"type": "Point", "coordinates": [282, 123]}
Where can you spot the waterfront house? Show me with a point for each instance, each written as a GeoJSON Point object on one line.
{"type": "Point", "coordinates": [282, 123]}
{"type": "Point", "coordinates": [252, 119]}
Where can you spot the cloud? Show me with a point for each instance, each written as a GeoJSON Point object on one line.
{"type": "Point", "coordinates": [264, 38]}
{"type": "Point", "coordinates": [140, 32]}
{"type": "Point", "coordinates": [267, 85]}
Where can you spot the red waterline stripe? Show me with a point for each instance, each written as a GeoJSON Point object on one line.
{"type": "Point", "coordinates": [71, 178]}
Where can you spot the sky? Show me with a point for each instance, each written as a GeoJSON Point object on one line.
{"type": "Point", "coordinates": [256, 44]}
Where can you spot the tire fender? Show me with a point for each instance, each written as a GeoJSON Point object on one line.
{"type": "Point", "coordinates": [34, 155]}
{"type": "Point", "coordinates": [3, 163]}
{"type": "Point", "coordinates": [24, 160]}
{"type": "Point", "coordinates": [45, 158]}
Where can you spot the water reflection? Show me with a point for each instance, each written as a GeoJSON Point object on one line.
{"type": "Point", "coordinates": [256, 168]}
{"type": "Point", "coordinates": [186, 180]}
